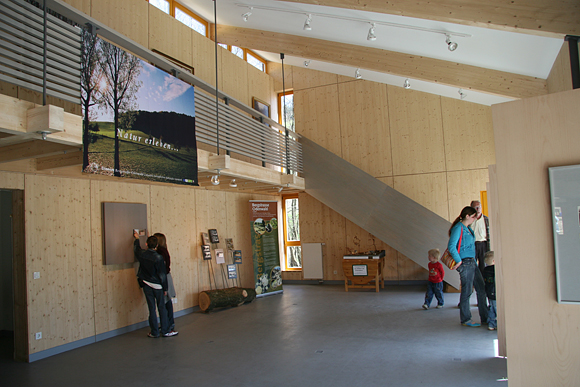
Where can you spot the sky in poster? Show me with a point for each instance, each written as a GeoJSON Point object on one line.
{"type": "Point", "coordinates": [159, 92]}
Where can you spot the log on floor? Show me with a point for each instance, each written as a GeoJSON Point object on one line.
{"type": "Point", "coordinates": [211, 299]}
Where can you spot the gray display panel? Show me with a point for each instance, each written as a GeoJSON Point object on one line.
{"type": "Point", "coordinates": [119, 221]}
{"type": "Point", "coordinates": [565, 198]}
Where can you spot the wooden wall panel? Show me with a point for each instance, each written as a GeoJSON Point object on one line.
{"type": "Point", "coordinates": [128, 17]}
{"type": "Point", "coordinates": [463, 187]}
{"type": "Point", "coordinates": [275, 71]}
{"type": "Point", "coordinates": [409, 270]}
{"type": "Point", "coordinates": [259, 86]}
{"type": "Point", "coordinates": [303, 78]}
{"type": "Point", "coordinates": [363, 109]}
{"type": "Point", "coordinates": [11, 180]}
{"type": "Point", "coordinates": [234, 77]}
{"type": "Point", "coordinates": [173, 214]}
{"type": "Point", "coordinates": [8, 89]}
{"type": "Point", "coordinates": [203, 60]}
{"type": "Point", "coordinates": [560, 78]}
{"type": "Point", "coordinates": [170, 36]}
{"type": "Point", "coordinates": [58, 246]}
{"type": "Point", "coordinates": [468, 132]}
{"type": "Point", "coordinates": [530, 136]}
{"type": "Point", "coordinates": [82, 5]}
{"type": "Point", "coordinates": [428, 189]}
{"type": "Point", "coordinates": [118, 300]}
{"type": "Point", "coordinates": [211, 212]}
{"type": "Point", "coordinates": [416, 131]}
{"type": "Point", "coordinates": [315, 112]}
{"type": "Point", "coordinates": [320, 224]}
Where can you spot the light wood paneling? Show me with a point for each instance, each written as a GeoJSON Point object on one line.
{"type": "Point", "coordinates": [530, 136]}
{"type": "Point", "coordinates": [8, 89]}
{"type": "Point", "coordinates": [259, 86]}
{"type": "Point", "coordinates": [320, 224]}
{"type": "Point", "coordinates": [409, 270]}
{"type": "Point", "coordinates": [532, 17]}
{"type": "Point", "coordinates": [173, 214]}
{"type": "Point", "coordinates": [82, 5]}
{"type": "Point", "coordinates": [428, 189]}
{"type": "Point", "coordinates": [468, 133]}
{"type": "Point", "coordinates": [463, 187]}
{"type": "Point", "coordinates": [10, 180]}
{"type": "Point", "coordinates": [58, 246]}
{"type": "Point", "coordinates": [119, 301]}
{"type": "Point", "coordinates": [211, 212]}
{"type": "Point", "coordinates": [388, 181]}
{"type": "Point", "coordinates": [128, 17]}
{"type": "Point", "coordinates": [315, 112]}
{"type": "Point", "coordinates": [560, 78]}
{"type": "Point", "coordinates": [203, 60]}
{"type": "Point", "coordinates": [170, 36]}
{"type": "Point", "coordinates": [391, 62]}
{"type": "Point", "coordinates": [363, 108]}
{"type": "Point", "coordinates": [416, 131]}
{"type": "Point", "coordinates": [307, 78]}
{"type": "Point", "coordinates": [275, 71]}
{"type": "Point", "coordinates": [234, 77]}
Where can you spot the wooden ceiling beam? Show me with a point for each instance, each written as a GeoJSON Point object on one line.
{"type": "Point", "coordinates": [417, 67]}
{"type": "Point", "coordinates": [554, 18]}
{"type": "Point", "coordinates": [33, 149]}
{"type": "Point", "coordinates": [61, 160]}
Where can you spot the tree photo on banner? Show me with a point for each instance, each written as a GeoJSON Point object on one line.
{"type": "Point", "coordinates": [265, 249]}
{"type": "Point", "coordinates": [139, 121]}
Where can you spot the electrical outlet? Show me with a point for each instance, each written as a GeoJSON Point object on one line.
{"type": "Point", "coordinates": [174, 300]}
{"type": "Point", "coordinates": [38, 335]}
{"type": "Point", "coordinates": [335, 272]}
{"type": "Point", "coordinates": [36, 275]}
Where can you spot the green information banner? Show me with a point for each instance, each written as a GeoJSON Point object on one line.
{"type": "Point", "coordinates": [265, 248]}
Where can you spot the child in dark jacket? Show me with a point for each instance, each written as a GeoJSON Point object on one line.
{"type": "Point", "coordinates": [435, 285]}
{"type": "Point", "coordinates": [489, 279]}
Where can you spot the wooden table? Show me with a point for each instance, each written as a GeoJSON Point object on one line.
{"type": "Point", "coordinates": [361, 272]}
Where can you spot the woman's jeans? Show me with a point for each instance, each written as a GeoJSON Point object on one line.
{"type": "Point", "coordinates": [471, 277]}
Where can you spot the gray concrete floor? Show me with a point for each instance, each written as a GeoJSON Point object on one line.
{"type": "Point", "coordinates": [311, 335]}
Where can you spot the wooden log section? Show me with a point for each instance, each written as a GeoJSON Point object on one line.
{"type": "Point", "coordinates": [219, 298]}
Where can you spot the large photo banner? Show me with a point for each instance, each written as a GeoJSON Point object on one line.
{"type": "Point", "coordinates": [265, 249]}
{"type": "Point", "coordinates": [139, 121]}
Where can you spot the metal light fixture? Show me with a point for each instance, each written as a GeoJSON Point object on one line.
{"type": "Point", "coordinates": [233, 183]}
{"type": "Point", "coordinates": [407, 84]}
{"type": "Point", "coordinates": [307, 63]}
{"type": "Point", "coordinates": [43, 133]}
{"type": "Point", "coordinates": [246, 15]}
{"type": "Point", "coordinates": [451, 46]}
{"type": "Point", "coordinates": [462, 95]}
{"type": "Point", "coordinates": [280, 189]}
{"type": "Point", "coordinates": [357, 74]}
{"type": "Point", "coordinates": [307, 26]}
{"type": "Point", "coordinates": [215, 179]}
{"type": "Point", "coordinates": [371, 35]}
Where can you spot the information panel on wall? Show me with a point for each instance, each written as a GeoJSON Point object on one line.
{"type": "Point", "coordinates": [565, 197]}
{"type": "Point", "coordinates": [265, 248]}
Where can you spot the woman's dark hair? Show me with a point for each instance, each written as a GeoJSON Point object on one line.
{"type": "Point", "coordinates": [161, 239]}
{"type": "Point", "coordinates": [467, 211]}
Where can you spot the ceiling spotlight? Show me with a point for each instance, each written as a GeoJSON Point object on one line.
{"type": "Point", "coordinates": [280, 189]}
{"type": "Point", "coordinates": [462, 95]}
{"type": "Point", "coordinates": [407, 84]}
{"type": "Point", "coordinates": [452, 46]}
{"type": "Point", "coordinates": [307, 26]}
{"type": "Point", "coordinates": [215, 179]}
{"type": "Point", "coordinates": [371, 36]}
{"type": "Point", "coordinates": [246, 15]}
{"type": "Point", "coordinates": [357, 74]}
{"type": "Point", "coordinates": [307, 63]}
{"type": "Point", "coordinates": [233, 183]}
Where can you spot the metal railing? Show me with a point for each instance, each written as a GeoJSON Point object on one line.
{"type": "Point", "coordinates": [45, 57]}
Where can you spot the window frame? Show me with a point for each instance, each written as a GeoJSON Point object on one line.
{"type": "Point", "coordinates": [288, 243]}
{"type": "Point", "coordinates": [174, 4]}
{"type": "Point", "coordinates": [280, 95]}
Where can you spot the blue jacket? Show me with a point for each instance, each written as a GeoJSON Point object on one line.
{"type": "Point", "coordinates": [467, 242]}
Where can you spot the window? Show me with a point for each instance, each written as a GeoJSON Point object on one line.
{"type": "Point", "coordinates": [286, 110]}
{"type": "Point", "coordinates": [258, 63]}
{"type": "Point", "coordinates": [184, 15]}
{"type": "Point", "coordinates": [292, 233]}
{"type": "Point", "coordinates": [161, 4]}
{"type": "Point", "coordinates": [237, 51]}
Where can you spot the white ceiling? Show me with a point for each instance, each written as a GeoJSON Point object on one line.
{"type": "Point", "coordinates": [511, 52]}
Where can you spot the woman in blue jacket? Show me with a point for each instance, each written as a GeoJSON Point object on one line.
{"type": "Point", "coordinates": [461, 246]}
